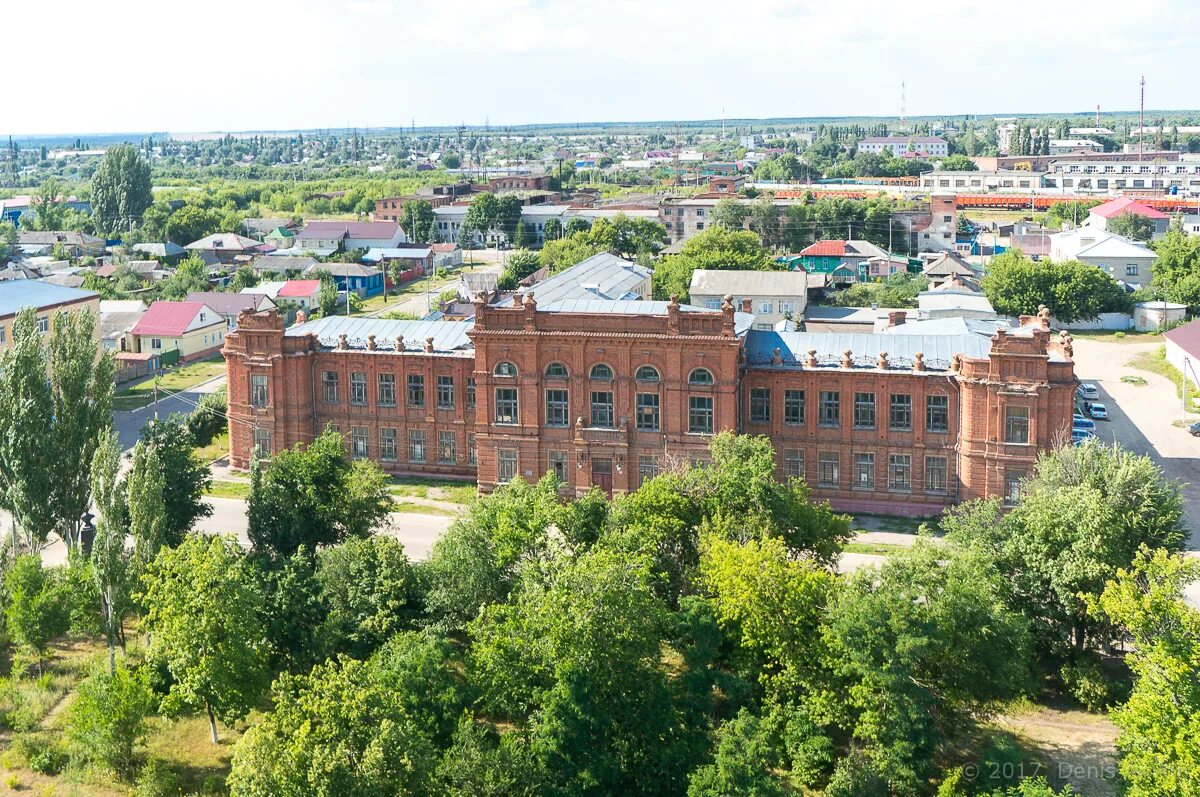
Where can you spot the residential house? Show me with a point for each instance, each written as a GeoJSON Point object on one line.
{"type": "Point", "coordinates": [1121, 258]}
{"type": "Point", "coordinates": [773, 296]}
{"type": "Point", "coordinates": [1183, 350]}
{"type": "Point", "coordinates": [1157, 315]}
{"type": "Point", "coordinates": [230, 305]}
{"type": "Point", "coordinates": [447, 255]}
{"type": "Point", "coordinates": [363, 280]}
{"type": "Point", "coordinates": [261, 228]}
{"type": "Point", "coordinates": [1101, 215]}
{"type": "Point", "coordinates": [844, 261]}
{"type": "Point", "coordinates": [118, 317]}
{"type": "Point", "coordinates": [963, 303]}
{"type": "Point", "coordinates": [603, 276]}
{"type": "Point", "coordinates": [947, 266]}
{"type": "Point", "coordinates": [77, 244]}
{"type": "Point", "coordinates": [303, 293]}
{"type": "Point", "coordinates": [193, 329]}
{"type": "Point", "coordinates": [49, 300]}
{"type": "Point", "coordinates": [327, 237]}
{"type": "Point", "coordinates": [282, 265]}
{"type": "Point", "coordinates": [161, 251]}
{"type": "Point", "coordinates": [280, 238]}
{"type": "Point", "coordinates": [226, 246]}
{"type": "Point", "coordinates": [408, 257]}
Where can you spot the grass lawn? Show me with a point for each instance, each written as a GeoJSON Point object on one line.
{"type": "Point", "coordinates": [1156, 363]}
{"type": "Point", "coordinates": [219, 447]}
{"type": "Point", "coordinates": [455, 492]}
{"type": "Point", "coordinates": [420, 509]}
{"type": "Point", "coordinates": [874, 548]}
{"type": "Point", "coordinates": [223, 488]}
{"type": "Point", "coordinates": [896, 523]}
{"type": "Point", "coordinates": [173, 379]}
{"type": "Point", "coordinates": [1110, 336]}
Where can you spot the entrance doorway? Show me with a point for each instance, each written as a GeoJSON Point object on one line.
{"type": "Point", "coordinates": [602, 474]}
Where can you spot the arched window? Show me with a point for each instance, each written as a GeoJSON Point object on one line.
{"type": "Point", "coordinates": [556, 371]}
{"type": "Point", "coordinates": [505, 369]}
{"type": "Point", "coordinates": [700, 376]}
{"type": "Point", "coordinates": [647, 373]}
{"type": "Point", "coordinates": [602, 372]}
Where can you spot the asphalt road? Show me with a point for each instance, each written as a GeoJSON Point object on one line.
{"type": "Point", "coordinates": [129, 424]}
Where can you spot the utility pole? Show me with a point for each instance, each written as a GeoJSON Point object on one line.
{"type": "Point", "coordinates": [1142, 121]}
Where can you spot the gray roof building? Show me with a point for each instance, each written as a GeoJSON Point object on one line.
{"type": "Point", "coordinates": [602, 276]}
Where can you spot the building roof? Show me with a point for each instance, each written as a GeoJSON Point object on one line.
{"type": "Point", "coordinates": [279, 264]}
{"type": "Point", "coordinates": [225, 242]}
{"type": "Point", "coordinates": [824, 248]}
{"type": "Point", "coordinates": [955, 325]}
{"type": "Point", "coordinates": [948, 264]}
{"type": "Point", "coordinates": [1125, 204]}
{"type": "Point", "coordinates": [265, 226]}
{"type": "Point", "coordinates": [1116, 246]}
{"type": "Point", "coordinates": [229, 304]}
{"type": "Point", "coordinates": [865, 348]}
{"type": "Point", "coordinates": [902, 140]}
{"type": "Point", "coordinates": [376, 254]}
{"type": "Point", "coordinates": [15, 295]}
{"type": "Point", "coordinates": [942, 301]}
{"type": "Point", "coordinates": [448, 338]}
{"type": "Point", "coordinates": [748, 283]}
{"type": "Point", "coordinates": [117, 317]}
{"type": "Point", "coordinates": [602, 276]}
{"type": "Point", "coordinates": [445, 247]}
{"type": "Point", "coordinates": [299, 288]}
{"type": "Point", "coordinates": [165, 249]}
{"type": "Point", "coordinates": [172, 319]}
{"type": "Point", "coordinates": [741, 321]}
{"type": "Point", "coordinates": [280, 232]}
{"type": "Point", "coordinates": [66, 280]}
{"type": "Point", "coordinates": [326, 230]}
{"type": "Point", "coordinates": [1186, 337]}
{"type": "Point", "coordinates": [51, 237]}
{"type": "Point", "coordinates": [344, 269]}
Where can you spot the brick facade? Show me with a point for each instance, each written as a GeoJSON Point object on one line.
{"type": "Point", "coordinates": [608, 398]}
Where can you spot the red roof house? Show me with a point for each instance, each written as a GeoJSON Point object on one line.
{"type": "Point", "coordinates": [1101, 215]}
{"type": "Point", "coordinates": [194, 329]}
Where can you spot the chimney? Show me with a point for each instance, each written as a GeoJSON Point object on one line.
{"type": "Point", "coordinates": [301, 316]}
{"type": "Point", "coordinates": [746, 305]}
{"type": "Point", "coordinates": [673, 315]}
{"type": "Point", "coordinates": [896, 317]}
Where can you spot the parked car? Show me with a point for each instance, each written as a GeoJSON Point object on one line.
{"type": "Point", "coordinates": [1098, 411]}
{"type": "Point", "coordinates": [1080, 422]}
{"type": "Point", "coordinates": [1194, 429]}
{"type": "Point", "coordinates": [1088, 392]}
{"type": "Point", "coordinates": [1078, 436]}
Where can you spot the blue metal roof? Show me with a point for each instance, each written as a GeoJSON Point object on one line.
{"type": "Point", "coordinates": [938, 350]}
{"type": "Point", "coordinates": [448, 336]}
{"type": "Point", "coordinates": [602, 276]}
{"type": "Point", "coordinates": [16, 295]}
{"type": "Point", "coordinates": [741, 321]}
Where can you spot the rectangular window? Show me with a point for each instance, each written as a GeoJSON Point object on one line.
{"type": "Point", "coordinates": [827, 469]}
{"type": "Point", "coordinates": [828, 412]}
{"type": "Point", "coordinates": [506, 465]}
{"type": "Point", "coordinates": [647, 412]}
{"type": "Point", "coordinates": [329, 387]}
{"type": "Point", "coordinates": [647, 469]}
{"type": "Point", "coordinates": [445, 392]}
{"type": "Point", "coordinates": [900, 413]}
{"type": "Point", "coordinates": [358, 387]}
{"type": "Point", "coordinates": [416, 445]}
{"type": "Point", "coordinates": [470, 393]}
{"type": "Point", "coordinates": [472, 451]}
{"type": "Point", "coordinates": [358, 442]}
{"type": "Point", "coordinates": [937, 413]}
{"type": "Point", "coordinates": [43, 326]}
{"type": "Point", "coordinates": [765, 307]}
{"type": "Point", "coordinates": [1016, 425]}
{"type": "Point", "coordinates": [1012, 487]}
{"type": "Point", "coordinates": [864, 472]}
{"type": "Point", "coordinates": [447, 448]}
{"type": "Point", "coordinates": [506, 405]}
{"type": "Point", "coordinates": [602, 409]}
{"type": "Point", "coordinates": [386, 390]}
{"type": "Point", "coordinates": [793, 407]}
{"type": "Point", "coordinates": [900, 473]}
{"type": "Point", "coordinates": [262, 442]}
{"type": "Point", "coordinates": [935, 474]}
{"type": "Point", "coordinates": [864, 410]}
{"type": "Point", "coordinates": [387, 444]}
{"type": "Point", "coordinates": [760, 405]}
{"type": "Point", "coordinates": [557, 464]}
{"type": "Point", "coordinates": [556, 407]}
{"type": "Point", "coordinates": [793, 463]}
{"type": "Point", "coordinates": [700, 414]}
{"type": "Point", "coordinates": [416, 390]}
{"type": "Point", "coordinates": [1131, 270]}
{"type": "Point", "coordinates": [258, 390]}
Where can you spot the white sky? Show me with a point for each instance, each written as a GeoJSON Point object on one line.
{"type": "Point", "coordinates": [202, 65]}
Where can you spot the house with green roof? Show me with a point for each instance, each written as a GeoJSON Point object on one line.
{"type": "Point", "coordinates": [280, 238]}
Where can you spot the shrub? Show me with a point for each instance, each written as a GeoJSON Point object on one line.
{"type": "Point", "coordinates": [48, 761]}
{"type": "Point", "coordinates": [1087, 682]}
{"type": "Point", "coordinates": [108, 716]}
{"type": "Point", "coordinates": [1118, 335]}
{"type": "Point", "coordinates": [157, 779]}
{"type": "Point", "coordinates": [208, 420]}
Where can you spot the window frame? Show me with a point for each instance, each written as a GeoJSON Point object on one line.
{"type": "Point", "coordinates": [260, 397]}
{"type": "Point", "coordinates": [900, 413]}
{"type": "Point", "coordinates": [930, 409]}
{"type": "Point", "coordinates": [414, 391]}
{"type": "Point", "coordinates": [829, 399]}
{"type": "Point", "coordinates": [640, 375]}
{"type": "Point", "coordinates": [385, 389]}
{"type": "Point", "coordinates": [329, 387]}
{"type": "Point", "coordinates": [505, 370]}
{"type": "Point", "coordinates": [863, 462]}
{"type": "Point", "coordinates": [698, 411]}
{"type": "Point", "coordinates": [601, 372]}
{"type": "Point", "coordinates": [865, 411]}
{"type": "Point", "coordinates": [701, 377]}
{"type": "Point", "coordinates": [557, 370]}
{"type": "Point", "coordinates": [358, 388]}
{"type": "Point", "coordinates": [602, 406]}
{"type": "Point", "coordinates": [793, 400]}
{"type": "Point", "coordinates": [899, 464]}
{"type": "Point", "coordinates": [1022, 415]}
{"type": "Point", "coordinates": [560, 405]}
{"type": "Point", "coordinates": [508, 418]}
{"type": "Point", "coordinates": [760, 405]}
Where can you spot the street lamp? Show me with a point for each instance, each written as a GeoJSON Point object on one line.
{"type": "Point", "coordinates": [87, 533]}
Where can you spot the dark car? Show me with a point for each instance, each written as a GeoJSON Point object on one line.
{"type": "Point", "coordinates": [1194, 429]}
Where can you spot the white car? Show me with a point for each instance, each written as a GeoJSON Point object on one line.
{"type": "Point", "coordinates": [1088, 392]}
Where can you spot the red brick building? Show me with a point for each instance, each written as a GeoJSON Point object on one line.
{"type": "Point", "coordinates": [608, 393]}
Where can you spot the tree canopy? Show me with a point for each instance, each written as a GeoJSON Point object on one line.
{"type": "Point", "coordinates": [714, 248]}
{"type": "Point", "coordinates": [1071, 290]}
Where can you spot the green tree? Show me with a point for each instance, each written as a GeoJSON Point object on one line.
{"type": "Point", "coordinates": [108, 717]}
{"type": "Point", "coordinates": [185, 477]}
{"type": "Point", "coordinates": [631, 236]}
{"type": "Point", "coordinates": [203, 616]}
{"type": "Point", "coordinates": [190, 275]}
{"type": "Point", "coordinates": [370, 591]}
{"type": "Point", "coordinates": [562, 253]}
{"type": "Point", "coordinates": [244, 277]}
{"type": "Point", "coordinates": [482, 216]}
{"type": "Point", "coordinates": [1071, 290]}
{"type": "Point", "coordinates": [36, 611]}
{"type": "Point", "coordinates": [191, 223]}
{"type": "Point", "coordinates": [51, 212]}
{"type": "Point", "coordinates": [1159, 742]}
{"type": "Point", "coordinates": [714, 248]}
{"type": "Point", "coordinates": [1132, 225]}
{"type": "Point", "coordinates": [1069, 214]}
{"type": "Point", "coordinates": [451, 160]}
{"type": "Point", "coordinates": [742, 764]}
{"type": "Point", "coordinates": [110, 558]}
{"type": "Point", "coordinates": [120, 189]}
{"type": "Point", "coordinates": [417, 221]}
{"type": "Point", "coordinates": [1176, 271]}
{"type": "Point", "coordinates": [958, 163]}
{"type": "Point", "coordinates": [521, 264]}
{"type": "Point", "coordinates": [508, 216]}
{"type": "Point", "coordinates": [1083, 514]}
{"type": "Point", "coordinates": [146, 504]}
{"type": "Point", "coordinates": [336, 731]}
{"type": "Point", "coordinates": [313, 495]}
{"type": "Point", "coordinates": [730, 214]}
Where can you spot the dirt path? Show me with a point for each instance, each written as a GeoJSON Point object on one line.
{"type": "Point", "coordinates": [1079, 747]}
